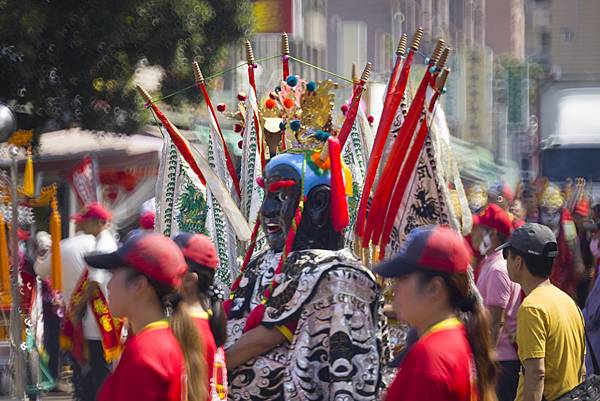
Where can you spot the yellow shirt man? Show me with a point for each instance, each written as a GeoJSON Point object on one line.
{"type": "Point", "coordinates": [550, 326]}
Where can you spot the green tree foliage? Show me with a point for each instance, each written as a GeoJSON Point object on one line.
{"type": "Point", "coordinates": [71, 61]}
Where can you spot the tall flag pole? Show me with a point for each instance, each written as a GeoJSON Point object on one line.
{"type": "Point", "coordinates": [230, 167]}
{"type": "Point", "coordinates": [252, 80]}
{"type": "Point", "coordinates": [285, 55]}
{"type": "Point", "coordinates": [200, 166]}
{"type": "Point", "coordinates": [395, 91]}
{"type": "Point", "coordinates": [357, 92]}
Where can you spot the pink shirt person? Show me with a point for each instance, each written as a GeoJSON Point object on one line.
{"type": "Point", "coordinates": [497, 290]}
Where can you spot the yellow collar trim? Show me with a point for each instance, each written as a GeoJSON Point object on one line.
{"type": "Point", "coordinates": [159, 324]}
{"type": "Point", "coordinates": [445, 324]}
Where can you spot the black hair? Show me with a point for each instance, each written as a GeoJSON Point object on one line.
{"type": "Point", "coordinates": [501, 237]}
{"type": "Point", "coordinates": [212, 304]}
{"type": "Point", "coordinates": [472, 314]}
{"type": "Point", "coordinates": [539, 266]}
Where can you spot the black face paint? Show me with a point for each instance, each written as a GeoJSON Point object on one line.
{"type": "Point", "coordinates": [278, 207]}
{"type": "Point", "coordinates": [277, 211]}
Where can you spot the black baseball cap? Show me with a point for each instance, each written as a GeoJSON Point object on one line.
{"type": "Point", "coordinates": [534, 239]}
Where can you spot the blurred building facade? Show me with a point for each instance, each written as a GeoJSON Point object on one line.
{"type": "Point", "coordinates": [335, 34]}
{"type": "Point", "coordinates": [564, 36]}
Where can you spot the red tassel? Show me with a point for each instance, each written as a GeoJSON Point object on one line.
{"type": "Point", "coordinates": [227, 306]}
{"type": "Point", "coordinates": [396, 88]}
{"type": "Point", "coordinates": [255, 317]}
{"type": "Point", "coordinates": [339, 202]}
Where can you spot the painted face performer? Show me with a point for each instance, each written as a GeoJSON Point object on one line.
{"type": "Point", "coordinates": [568, 266]}
{"type": "Point", "coordinates": [304, 315]}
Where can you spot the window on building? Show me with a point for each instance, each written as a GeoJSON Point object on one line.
{"type": "Point", "coordinates": [567, 34]}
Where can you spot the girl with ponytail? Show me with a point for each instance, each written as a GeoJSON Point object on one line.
{"type": "Point", "coordinates": [164, 359]}
{"type": "Point", "coordinates": [205, 301]}
{"type": "Point", "coordinates": [452, 360]}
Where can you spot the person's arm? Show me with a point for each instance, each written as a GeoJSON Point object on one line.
{"type": "Point", "coordinates": [531, 342]}
{"type": "Point", "coordinates": [533, 383]}
{"type": "Point", "coordinates": [497, 317]}
{"type": "Point", "coordinates": [252, 344]}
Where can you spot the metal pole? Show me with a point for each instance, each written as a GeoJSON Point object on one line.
{"type": "Point", "coordinates": [15, 315]}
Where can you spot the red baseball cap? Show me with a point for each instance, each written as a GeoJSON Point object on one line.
{"type": "Point", "coordinates": [198, 248]}
{"type": "Point", "coordinates": [93, 211]}
{"type": "Point", "coordinates": [434, 248]}
{"type": "Point", "coordinates": [151, 254]}
{"type": "Point", "coordinates": [495, 217]}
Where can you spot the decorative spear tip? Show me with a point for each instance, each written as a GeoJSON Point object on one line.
{"type": "Point", "coordinates": [285, 44]}
{"type": "Point", "coordinates": [249, 53]}
{"type": "Point", "coordinates": [437, 52]}
{"type": "Point", "coordinates": [401, 50]}
{"type": "Point", "coordinates": [441, 63]}
{"type": "Point", "coordinates": [197, 72]}
{"type": "Point", "coordinates": [354, 73]}
{"type": "Point", "coordinates": [366, 72]}
{"type": "Point", "coordinates": [144, 93]}
{"type": "Point", "coordinates": [416, 42]}
{"type": "Point", "coordinates": [440, 84]}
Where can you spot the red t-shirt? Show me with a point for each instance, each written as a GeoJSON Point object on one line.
{"type": "Point", "coordinates": [215, 359]}
{"type": "Point", "coordinates": [438, 367]}
{"type": "Point", "coordinates": [151, 368]}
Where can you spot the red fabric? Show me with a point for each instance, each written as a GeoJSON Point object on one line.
{"type": "Point", "coordinates": [582, 208]}
{"type": "Point", "coordinates": [93, 211]}
{"type": "Point", "coordinates": [565, 274]}
{"type": "Point", "coordinates": [394, 162]}
{"type": "Point", "coordinates": [255, 317]}
{"type": "Point", "coordinates": [495, 217]}
{"type": "Point", "coordinates": [396, 88]}
{"type": "Point", "coordinates": [208, 340]}
{"type": "Point", "coordinates": [339, 202]}
{"type": "Point", "coordinates": [436, 368]}
{"type": "Point", "coordinates": [151, 368]}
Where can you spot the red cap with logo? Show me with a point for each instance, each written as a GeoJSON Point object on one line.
{"type": "Point", "coordinates": [198, 248]}
{"type": "Point", "coordinates": [495, 217]}
{"type": "Point", "coordinates": [151, 254]}
{"type": "Point", "coordinates": [434, 248]}
{"type": "Point", "coordinates": [93, 211]}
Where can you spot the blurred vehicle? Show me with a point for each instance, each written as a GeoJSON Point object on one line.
{"type": "Point", "coordinates": [569, 136]}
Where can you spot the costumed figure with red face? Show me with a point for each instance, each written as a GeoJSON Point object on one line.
{"type": "Point", "coordinates": [568, 265]}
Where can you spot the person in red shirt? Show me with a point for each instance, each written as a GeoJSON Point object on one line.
{"type": "Point", "coordinates": [164, 360]}
{"type": "Point", "coordinates": [205, 301]}
{"type": "Point", "coordinates": [452, 360]}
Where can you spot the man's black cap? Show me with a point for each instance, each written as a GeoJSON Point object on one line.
{"type": "Point", "coordinates": [534, 239]}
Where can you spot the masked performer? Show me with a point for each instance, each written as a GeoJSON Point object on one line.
{"type": "Point", "coordinates": [304, 315]}
{"type": "Point", "coordinates": [568, 266]}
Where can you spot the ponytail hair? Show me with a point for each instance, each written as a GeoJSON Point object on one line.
{"type": "Point", "coordinates": [472, 314]}
{"type": "Point", "coordinates": [211, 298]}
{"type": "Point", "coordinates": [186, 333]}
